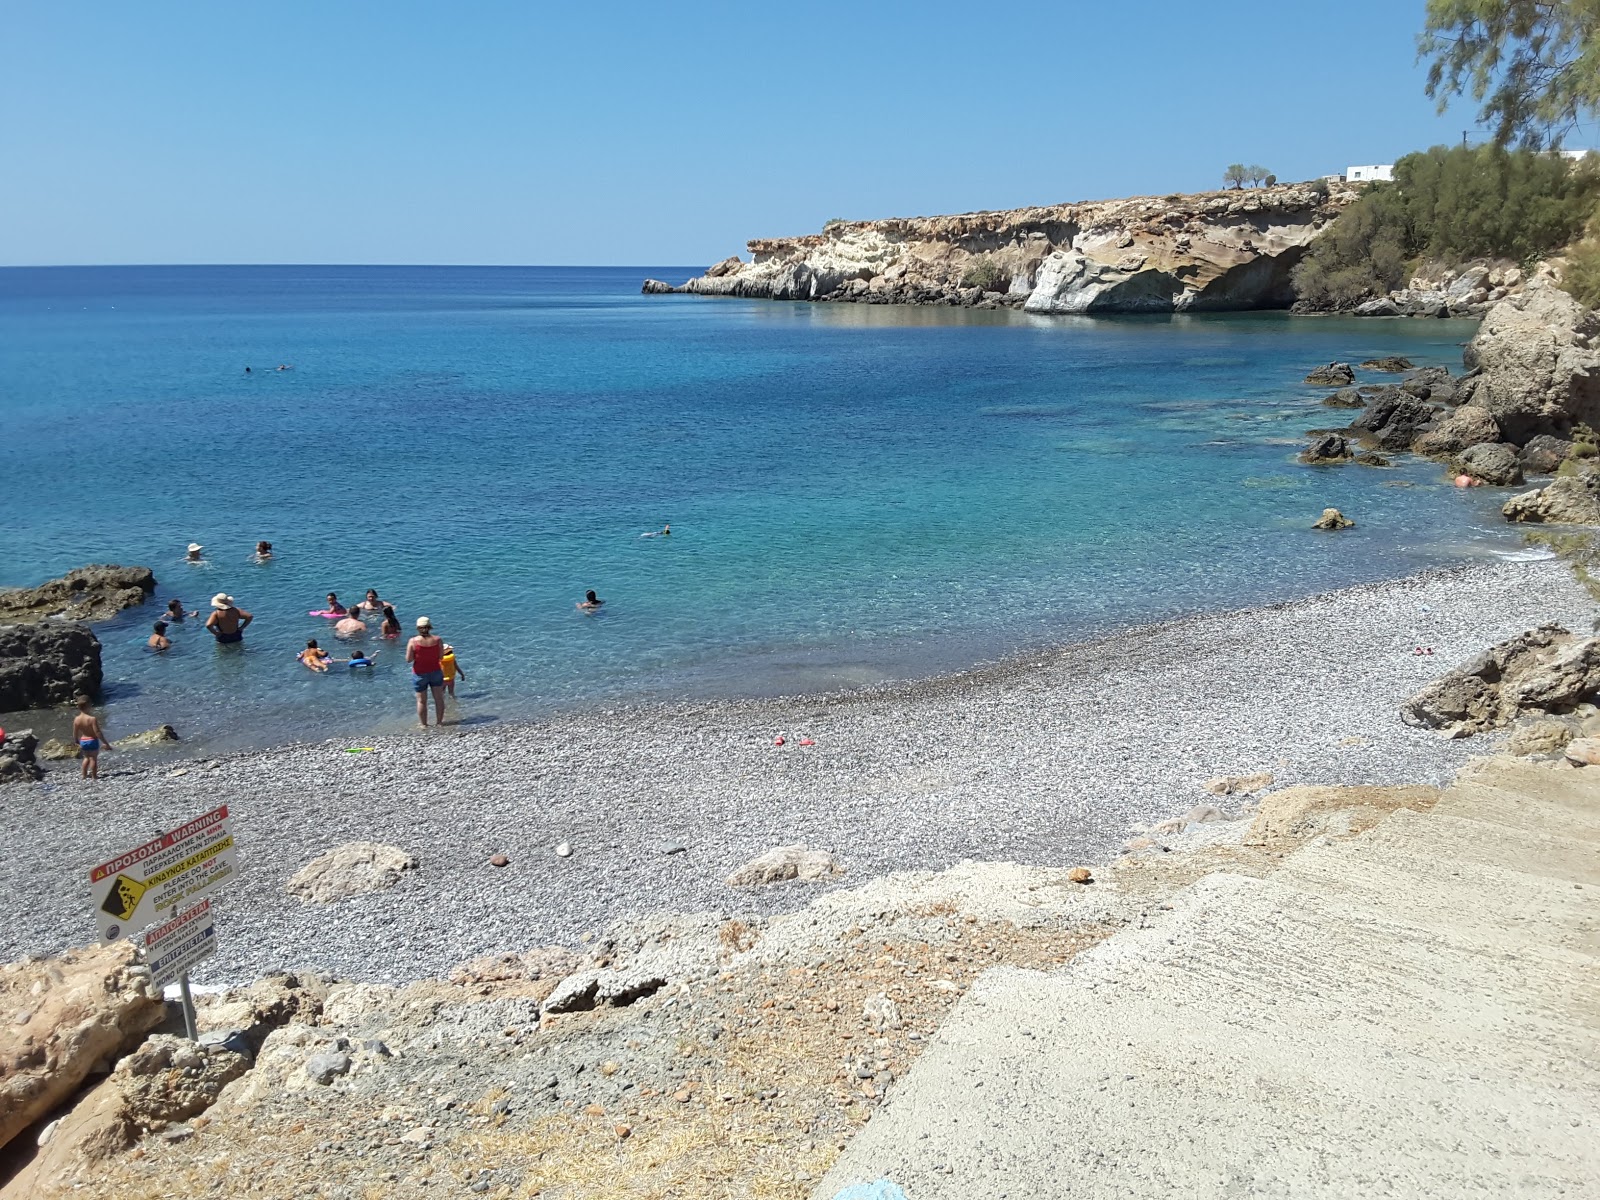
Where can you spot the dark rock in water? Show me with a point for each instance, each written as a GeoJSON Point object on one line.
{"type": "Point", "coordinates": [1543, 670]}
{"type": "Point", "coordinates": [655, 287]}
{"type": "Point", "coordinates": [17, 758]}
{"type": "Point", "coordinates": [1335, 374]}
{"type": "Point", "coordinates": [93, 593]}
{"type": "Point", "coordinates": [47, 664]}
{"type": "Point", "coordinates": [1392, 362]}
{"type": "Point", "coordinates": [1492, 462]}
{"type": "Point", "coordinates": [1332, 518]}
{"type": "Point", "coordinates": [1394, 420]}
{"type": "Point", "coordinates": [1545, 453]}
{"type": "Point", "coordinates": [1368, 459]}
{"type": "Point", "coordinates": [1345, 398]}
{"type": "Point", "coordinates": [1419, 304]}
{"type": "Point", "coordinates": [1329, 448]}
{"type": "Point", "coordinates": [1381, 307]}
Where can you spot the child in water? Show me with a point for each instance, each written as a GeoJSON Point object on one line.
{"type": "Point", "coordinates": [314, 656]}
{"type": "Point", "coordinates": [334, 606]}
{"type": "Point", "coordinates": [451, 668]}
{"type": "Point", "coordinates": [590, 602]}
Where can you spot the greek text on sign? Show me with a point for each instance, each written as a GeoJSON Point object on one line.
{"type": "Point", "coordinates": [136, 888]}
{"type": "Point", "coordinates": [174, 946]}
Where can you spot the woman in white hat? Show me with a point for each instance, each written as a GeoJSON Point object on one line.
{"type": "Point", "coordinates": [227, 621]}
{"type": "Point", "coordinates": [195, 551]}
{"type": "Point", "coordinates": [425, 653]}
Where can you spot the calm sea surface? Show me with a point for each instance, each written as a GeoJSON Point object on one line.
{"type": "Point", "coordinates": [855, 493]}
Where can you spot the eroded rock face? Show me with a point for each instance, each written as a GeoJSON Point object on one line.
{"type": "Point", "coordinates": [1569, 500]}
{"type": "Point", "coordinates": [1545, 670]}
{"type": "Point", "coordinates": [353, 869]}
{"type": "Point", "coordinates": [62, 1017]}
{"type": "Point", "coordinates": [1328, 448]}
{"type": "Point", "coordinates": [47, 664]}
{"type": "Point", "coordinates": [1545, 453]}
{"type": "Point", "coordinates": [783, 863]}
{"type": "Point", "coordinates": [92, 593]}
{"type": "Point", "coordinates": [19, 757]}
{"type": "Point", "coordinates": [1469, 425]}
{"type": "Point", "coordinates": [1211, 251]}
{"type": "Point", "coordinates": [1540, 363]}
{"type": "Point", "coordinates": [1288, 818]}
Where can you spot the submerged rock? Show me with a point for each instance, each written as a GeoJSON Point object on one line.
{"type": "Point", "coordinates": [1332, 518]}
{"type": "Point", "coordinates": [1392, 362]}
{"type": "Point", "coordinates": [47, 664]}
{"type": "Point", "coordinates": [1329, 448]}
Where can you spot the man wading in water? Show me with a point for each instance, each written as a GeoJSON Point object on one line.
{"type": "Point", "coordinates": [227, 622]}
{"type": "Point", "coordinates": [425, 653]}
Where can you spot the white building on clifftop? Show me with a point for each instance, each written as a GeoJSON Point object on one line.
{"type": "Point", "coordinates": [1383, 172]}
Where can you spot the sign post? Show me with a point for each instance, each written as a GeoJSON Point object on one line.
{"type": "Point", "coordinates": [164, 876]}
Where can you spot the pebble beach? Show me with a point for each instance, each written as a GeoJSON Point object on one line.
{"type": "Point", "coordinates": [1052, 758]}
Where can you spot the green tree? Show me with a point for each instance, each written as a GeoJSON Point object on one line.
{"type": "Point", "coordinates": [1533, 65]}
{"type": "Point", "coordinates": [1235, 175]}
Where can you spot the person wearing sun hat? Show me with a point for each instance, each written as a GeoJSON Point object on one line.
{"type": "Point", "coordinates": [425, 653]}
{"type": "Point", "coordinates": [194, 552]}
{"type": "Point", "coordinates": [227, 621]}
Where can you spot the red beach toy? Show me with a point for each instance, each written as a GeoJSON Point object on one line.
{"type": "Point", "coordinates": [807, 742]}
{"type": "Point", "coordinates": [778, 741]}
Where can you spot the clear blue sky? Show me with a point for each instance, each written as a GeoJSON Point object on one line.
{"type": "Point", "coordinates": [414, 131]}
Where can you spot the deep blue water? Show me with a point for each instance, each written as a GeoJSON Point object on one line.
{"type": "Point", "coordinates": [855, 493]}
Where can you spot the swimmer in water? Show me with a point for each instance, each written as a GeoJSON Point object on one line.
{"type": "Point", "coordinates": [372, 604]}
{"type": "Point", "coordinates": [590, 602]}
{"type": "Point", "coordinates": [358, 659]}
{"type": "Point", "coordinates": [175, 611]}
{"type": "Point", "coordinates": [314, 656]}
{"type": "Point", "coordinates": [664, 531]}
{"type": "Point", "coordinates": [351, 625]}
{"type": "Point", "coordinates": [194, 552]}
{"type": "Point", "coordinates": [391, 624]}
{"type": "Point", "coordinates": [263, 551]}
{"type": "Point", "coordinates": [334, 606]}
{"type": "Point", "coordinates": [158, 639]}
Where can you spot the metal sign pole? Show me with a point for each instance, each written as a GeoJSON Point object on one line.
{"type": "Point", "coordinates": [188, 1007]}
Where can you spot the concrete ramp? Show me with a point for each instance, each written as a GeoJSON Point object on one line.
{"type": "Point", "coordinates": [1403, 1014]}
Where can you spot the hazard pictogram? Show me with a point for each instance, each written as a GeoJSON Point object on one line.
{"type": "Point", "coordinates": [123, 897]}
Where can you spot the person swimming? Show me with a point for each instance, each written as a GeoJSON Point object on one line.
{"type": "Point", "coordinates": [664, 531]}
{"type": "Point", "coordinates": [158, 639]}
{"type": "Point", "coordinates": [194, 553]}
{"type": "Point", "coordinates": [175, 611]}
{"type": "Point", "coordinates": [391, 624]}
{"type": "Point", "coordinates": [351, 625]}
{"type": "Point", "coordinates": [263, 551]}
{"type": "Point", "coordinates": [314, 656]}
{"type": "Point", "coordinates": [590, 601]}
{"type": "Point", "coordinates": [358, 659]}
{"type": "Point", "coordinates": [372, 604]}
{"type": "Point", "coordinates": [334, 606]}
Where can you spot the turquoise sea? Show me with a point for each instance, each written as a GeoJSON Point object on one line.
{"type": "Point", "coordinates": [855, 493]}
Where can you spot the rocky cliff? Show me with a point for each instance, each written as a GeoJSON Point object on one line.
{"type": "Point", "coordinates": [1210, 251]}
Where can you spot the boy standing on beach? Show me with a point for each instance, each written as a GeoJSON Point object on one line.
{"type": "Point", "coordinates": [86, 728]}
{"type": "Point", "coordinates": [448, 664]}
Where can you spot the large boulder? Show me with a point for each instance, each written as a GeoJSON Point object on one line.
{"type": "Point", "coordinates": [1345, 398]}
{"type": "Point", "coordinates": [1540, 364]}
{"type": "Point", "coordinates": [1545, 670]}
{"type": "Point", "coordinates": [1467, 426]}
{"type": "Point", "coordinates": [64, 1017]}
{"type": "Point", "coordinates": [1329, 448]}
{"type": "Point", "coordinates": [92, 593]}
{"type": "Point", "coordinates": [1492, 462]}
{"type": "Point", "coordinates": [47, 664]}
{"type": "Point", "coordinates": [1394, 419]}
{"type": "Point", "coordinates": [1544, 454]}
{"type": "Point", "coordinates": [1390, 362]}
{"type": "Point", "coordinates": [19, 757]}
{"type": "Point", "coordinates": [1569, 500]}
{"type": "Point", "coordinates": [353, 869]}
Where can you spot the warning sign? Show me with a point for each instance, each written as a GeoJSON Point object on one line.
{"type": "Point", "coordinates": [134, 889]}
{"type": "Point", "coordinates": [171, 948]}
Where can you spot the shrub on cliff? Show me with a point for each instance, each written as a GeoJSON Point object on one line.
{"type": "Point", "coordinates": [1449, 204]}
{"type": "Point", "coordinates": [987, 275]}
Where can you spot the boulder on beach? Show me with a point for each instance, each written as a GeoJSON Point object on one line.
{"type": "Point", "coordinates": [1492, 462]}
{"type": "Point", "coordinates": [92, 593]}
{"type": "Point", "coordinates": [1334, 374]}
{"type": "Point", "coordinates": [783, 863]}
{"type": "Point", "coordinates": [65, 1016]}
{"type": "Point", "coordinates": [1568, 500]}
{"type": "Point", "coordinates": [19, 757]}
{"type": "Point", "coordinates": [1545, 670]}
{"type": "Point", "coordinates": [1332, 518]}
{"type": "Point", "coordinates": [1468, 425]}
{"type": "Point", "coordinates": [353, 869]}
{"type": "Point", "coordinates": [47, 664]}
{"type": "Point", "coordinates": [1380, 306]}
